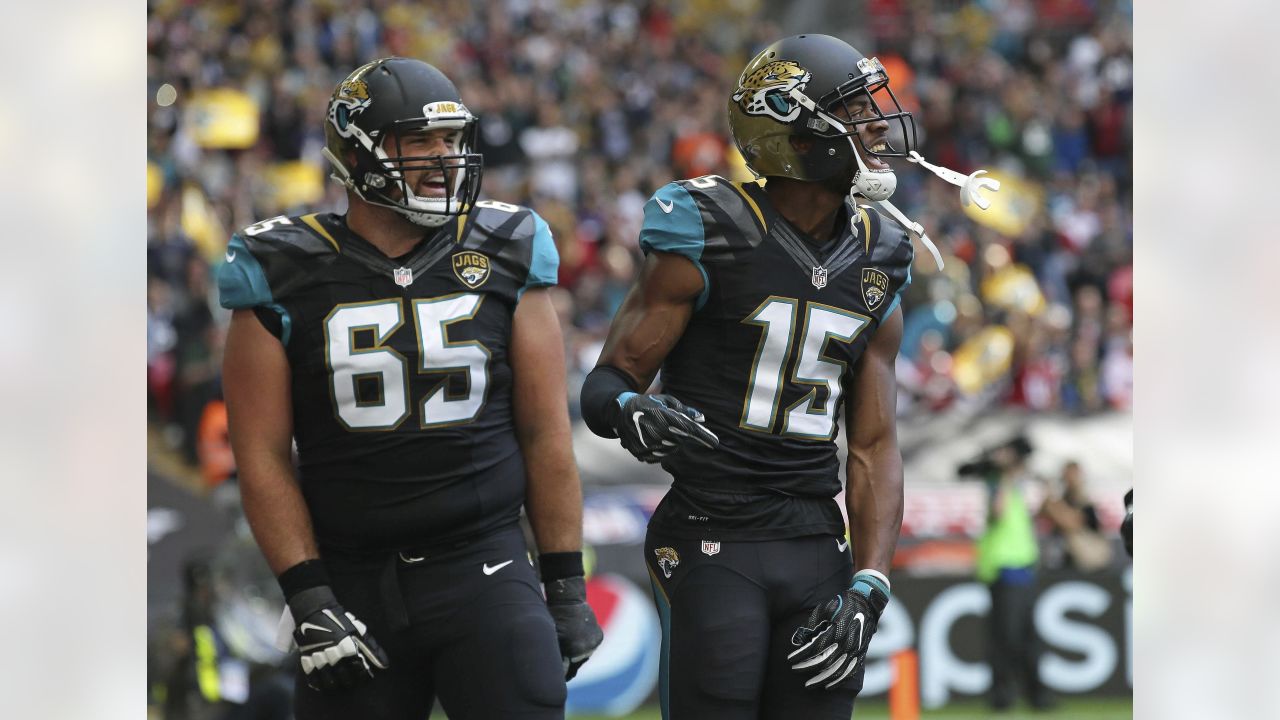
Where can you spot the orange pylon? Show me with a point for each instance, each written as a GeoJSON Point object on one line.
{"type": "Point", "coordinates": [904, 693]}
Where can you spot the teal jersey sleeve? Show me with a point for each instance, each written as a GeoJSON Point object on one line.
{"type": "Point", "coordinates": [897, 297]}
{"type": "Point", "coordinates": [241, 280]}
{"type": "Point", "coordinates": [673, 224]}
{"type": "Point", "coordinates": [544, 262]}
{"type": "Point", "coordinates": [242, 284]}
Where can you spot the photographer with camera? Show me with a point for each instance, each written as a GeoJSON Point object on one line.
{"type": "Point", "coordinates": [1007, 554]}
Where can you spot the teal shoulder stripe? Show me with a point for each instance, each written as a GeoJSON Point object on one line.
{"type": "Point", "coordinates": [673, 224]}
{"type": "Point", "coordinates": [241, 281]}
{"type": "Point", "coordinates": [544, 264]}
{"type": "Point", "coordinates": [897, 297]}
{"type": "Point", "coordinates": [286, 323]}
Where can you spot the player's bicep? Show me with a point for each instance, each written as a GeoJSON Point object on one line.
{"type": "Point", "coordinates": [871, 413]}
{"type": "Point", "coordinates": [256, 385]}
{"type": "Point", "coordinates": [653, 316]}
{"type": "Point", "coordinates": [537, 365]}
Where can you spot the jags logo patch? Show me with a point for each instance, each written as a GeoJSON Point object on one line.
{"type": "Point", "coordinates": [765, 91]}
{"type": "Point", "coordinates": [471, 267]}
{"type": "Point", "coordinates": [875, 285]}
{"type": "Point", "coordinates": [668, 559]}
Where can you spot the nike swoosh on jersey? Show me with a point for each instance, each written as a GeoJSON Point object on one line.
{"type": "Point", "coordinates": [231, 256]}
{"type": "Point", "coordinates": [491, 570]}
{"type": "Point", "coordinates": [842, 545]}
{"type": "Point", "coordinates": [667, 207]}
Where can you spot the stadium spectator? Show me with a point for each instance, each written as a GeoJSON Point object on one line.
{"type": "Point", "coordinates": [1076, 539]}
{"type": "Point", "coordinates": [1007, 559]}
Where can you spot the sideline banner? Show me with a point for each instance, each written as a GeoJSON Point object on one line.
{"type": "Point", "coordinates": [1084, 623]}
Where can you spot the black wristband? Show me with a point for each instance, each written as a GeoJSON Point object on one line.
{"type": "Point", "coordinates": [600, 391]}
{"type": "Point", "coordinates": [560, 565]}
{"type": "Point", "coordinates": [303, 576]}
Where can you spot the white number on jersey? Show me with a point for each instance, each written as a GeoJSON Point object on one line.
{"type": "Point", "coordinates": [822, 324]}
{"type": "Point", "coordinates": [348, 366]}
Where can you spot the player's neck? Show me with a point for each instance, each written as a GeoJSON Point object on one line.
{"type": "Point", "coordinates": [383, 227]}
{"type": "Point", "coordinates": [810, 207]}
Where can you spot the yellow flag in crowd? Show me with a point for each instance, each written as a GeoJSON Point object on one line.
{"type": "Point", "coordinates": [293, 184]}
{"type": "Point", "coordinates": [224, 118]}
{"type": "Point", "coordinates": [155, 183]}
{"type": "Point", "coordinates": [982, 359]}
{"type": "Point", "coordinates": [1013, 208]}
{"type": "Point", "coordinates": [1014, 287]}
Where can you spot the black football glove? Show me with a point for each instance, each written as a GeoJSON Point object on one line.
{"type": "Point", "coordinates": [1126, 527]}
{"type": "Point", "coordinates": [576, 627]}
{"type": "Point", "coordinates": [654, 426]}
{"type": "Point", "coordinates": [832, 644]}
{"type": "Point", "coordinates": [335, 649]}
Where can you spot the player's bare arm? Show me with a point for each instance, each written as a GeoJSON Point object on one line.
{"type": "Point", "coordinates": [647, 326]}
{"type": "Point", "coordinates": [873, 492]}
{"type": "Point", "coordinates": [256, 382]}
{"type": "Point", "coordinates": [653, 316]}
{"type": "Point", "coordinates": [554, 493]}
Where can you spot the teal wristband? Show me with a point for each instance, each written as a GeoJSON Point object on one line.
{"type": "Point", "coordinates": [865, 580]}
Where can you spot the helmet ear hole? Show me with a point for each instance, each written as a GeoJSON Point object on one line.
{"type": "Point", "coordinates": [801, 144]}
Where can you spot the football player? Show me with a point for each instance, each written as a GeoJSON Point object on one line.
{"type": "Point", "coordinates": [410, 350]}
{"type": "Point", "coordinates": [772, 310]}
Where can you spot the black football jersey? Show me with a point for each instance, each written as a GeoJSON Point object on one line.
{"type": "Point", "coordinates": [781, 321]}
{"type": "Point", "coordinates": [401, 383]}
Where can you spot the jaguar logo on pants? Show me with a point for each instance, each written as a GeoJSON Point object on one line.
{"type": "Point", "coordinates": [668, 559]}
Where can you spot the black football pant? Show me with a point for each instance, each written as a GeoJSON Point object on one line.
{"type": "Point", "coordinates": [479, 638]}
{"type": "Point", "coordinates": [728, 612]}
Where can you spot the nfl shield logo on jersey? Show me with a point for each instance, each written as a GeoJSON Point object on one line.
{"type": "Point", "coordinates": [819, 277]}
{"type": "Point", "coordinates": [875, 285]}
{"type": "Point", "coordinates": [403, 276]}
{"type": "Point", "coordinates": [710, 547]}
{"type": "Point", "coordinates": [472, 268]}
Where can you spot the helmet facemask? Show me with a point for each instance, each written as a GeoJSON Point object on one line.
{"type": "Point", "coordinates": [382, 171]}
{"type": "Point", "coordinates": [861, 101]}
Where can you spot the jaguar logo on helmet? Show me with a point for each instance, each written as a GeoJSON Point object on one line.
{"type": "Point", "coordinates": [349, 100]}
{"type": "Point", "coordinates": [472, 268]}
{"type": "Point", "coordinates": [668, 559]}
{"type": "Point", "coordinates": [766, 90]}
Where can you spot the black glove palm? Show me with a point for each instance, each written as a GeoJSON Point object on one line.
{"type": "Point", "coordinates": [653, 426]}
{"type": "Point", "coordinates": [576, 627]}
{"type": "Point", "coordinates": [336, 650]}
{"type": "Point", "coordinates": [832, 644]}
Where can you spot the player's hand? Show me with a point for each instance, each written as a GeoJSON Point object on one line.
{"type": "Point", "coordinates": [654, 426]}
{"type": "Point", "coordinates": [832, 644]}
{"type": "Point", "coordinates": [335, 649]}
{"type": "Point", "coordinates": [576, 627]}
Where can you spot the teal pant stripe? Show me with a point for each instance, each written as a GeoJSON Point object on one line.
{"type": "Point", "coordinates": [664, 662]}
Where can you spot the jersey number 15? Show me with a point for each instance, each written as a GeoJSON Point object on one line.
{"type": "Point", "coordinates": [807, 417]}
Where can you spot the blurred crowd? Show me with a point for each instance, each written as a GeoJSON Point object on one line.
{"type": "Point", "coordinates": [588, 106]}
